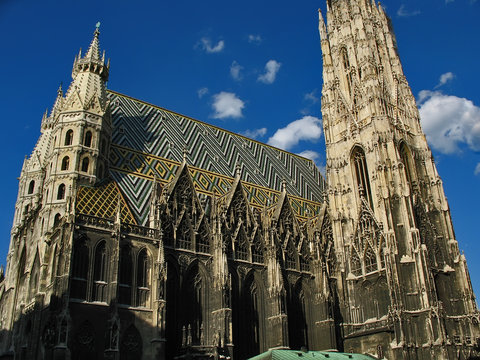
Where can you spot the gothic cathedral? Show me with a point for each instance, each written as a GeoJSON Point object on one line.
{"type": "Point", "coordinates": [140, 233]}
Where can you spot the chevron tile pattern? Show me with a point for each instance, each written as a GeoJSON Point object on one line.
{"type": "Point", "coordinates": [151, 142]}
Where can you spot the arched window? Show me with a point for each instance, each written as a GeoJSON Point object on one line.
{"type": "Point", "coordinates": [31, 187]}
{"type": "Point", "coordinates": [241, 246]}
{"type": "Point", "coordinates": [257, 249]}
{"type": "Point", "coordinates": [305, 257]}
{"type": "Point", "coordinates": [370, 260]}
{"type": "Point", "coordinates": [69, 137]}
{"type": "Point", "coordinates": [290, 256]}
{"type": "Point", "coordinates": [80, 270]}
{"type": "Point", "coordinates": [361, 175]}
{"type": "Point", "coordinates": [85, 163]}
{"type": "Point", "coordinates": [194, 302]}
{"type": "Point", "coordinates": [131, 345]}
{"type": "Point", "coordinates": [65, 163]}
{"type": "Point", "coordinates": [125, 284]}
{"type": "Point", "coordinates": [61, 192]}
{"type": "Point", "coordinates": [56, 219]}
{"type": "Point", "coordinates": [100, 273]}
{"type": "Point", "coordinates": [143, 283]}
{"type": "Point", "coordinates": [407, 162]}
{"type": "Point", "coordinates": [87, 141]}
{"type": "Point", "coordinates": [103, 147]}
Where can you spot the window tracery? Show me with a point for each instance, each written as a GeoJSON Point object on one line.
{"type": "Point", "coordinates": [100, 273]}
{"type": "Point", "coordinates": [367, 254]}
{"type": "Point", "coordinates": [80, 270]}
{"type": "Point", "coordinates": [125, 281]}
{"type": "Point", "coordinates": [143, 279]}
{"type": "Point", "coordinates": [361, 175]}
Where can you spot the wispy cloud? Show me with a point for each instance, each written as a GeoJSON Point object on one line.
{"type": "Point", "coordinates": [255, 133]}
{"type": "Point", "coordinates": [315, 157]}
{"type": "Point", "coordinates": [308, 128]}
{"type": "Point", "coordinates": [449, 121]}
{"type": "Point", "coordinates": [236, 71]}
{"type": "Point", "coordinates": [202, 92]}
{"type": "Point", "coordinates": [477, 169]}
{"type": "Point", "coordinates": [271, 69]}
{"type": "Point", "coordinates": [311, 97]}
{"type": "Point", "coordinates": [227, 105]}
{"type": "Point", "coordinates": [207, 45]}
{"type": "Point", "coordinates": [444, 78]}
{"type": "Point", "coordinates": [254, 39]}
{"type": "Point", "coordinates": [403, 12]}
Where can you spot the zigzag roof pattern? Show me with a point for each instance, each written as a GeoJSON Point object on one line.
{"type": "Point", "coordinates": [149, 141]}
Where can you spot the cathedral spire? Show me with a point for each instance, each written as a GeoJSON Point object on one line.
{"type": "Point", "coordinates": [93, 52]}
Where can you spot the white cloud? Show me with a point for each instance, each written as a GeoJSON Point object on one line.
{"type": "Point", "coordinates": [449, 121]}
{"type": "Point", "coordinates": [202, 92]}
{"type": "Point", "coordinates": [271, 70]}
{"type": "Point", "coordinates": [444, 78]}
{"type": "Point", "coordinates": [477, 169]}
{"type": "Point", "coordinates": [308, 128]}
{"type": "Point", "coordinates": [227, 105]}
{"type": "Point", "coordinates": [255, 133]}
{"type": "Point", "coordinates": [254, 39]}
{"type": "Point", "coordinates": [206, 44]}
{"type": "Point", "coordinates": [235, 71]}
{"type": "Point", "coordinates": [403, 12]}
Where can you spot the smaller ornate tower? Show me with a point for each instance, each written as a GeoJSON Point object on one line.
{"type": "Point", "coordinates": [72, 150]}
{"type": "Point", "coordinates": [391, 220]}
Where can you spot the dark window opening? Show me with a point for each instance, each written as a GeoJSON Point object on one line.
{"type": "Point", "coordinates": [61, 192]}
{"type": "Point", "coordinates": [87, 141]}
{"type": "Point", "coordinates": [69, 137]}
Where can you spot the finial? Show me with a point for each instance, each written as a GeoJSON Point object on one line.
{"type": "Point", "coordinates": [284, 185]}
{"type": "Point", "coordinates": [185, 154]}
{"type": "Point", "coordinates": [97, 25]}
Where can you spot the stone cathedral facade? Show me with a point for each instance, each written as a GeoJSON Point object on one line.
{"type": "Point", "coordinates": [140, 233]}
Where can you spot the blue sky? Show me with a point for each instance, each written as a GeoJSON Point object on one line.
{"type": "Point", "coordinates": [252, 67]}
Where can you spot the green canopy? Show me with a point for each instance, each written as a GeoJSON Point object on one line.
{"type": "Point", "coordinates": [314, 355]}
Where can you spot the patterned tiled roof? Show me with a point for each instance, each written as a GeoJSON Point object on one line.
{"type": "Point", "coordinates": [149, 141]}
{"type": "Point", "coordinates": [102, 201]}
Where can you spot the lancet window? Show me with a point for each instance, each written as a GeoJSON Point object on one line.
{"type": "Point", "coordinates": [61, 192]}
{"type": "Point", "coordinates": [366, 253]}
{"type": "Point", "coordinates": [361, 175]}
{"type": "Point", "coordinates": [305, 256]}
{"type": "Point", "coordinates": [257, 249]}
{"type": "Point", "coordinates": [100, 273]}
{"type": "Point", "coordinates": [241, 246]}
{"type": "Point", "coordinates": [290, 255]}
{"type": "Point", "coordinates": [85, 163]}
{"type": "Point", "coordinates": [125, 281]}
{"type": "Point", "coordinates": [65, 163]}
{"type": "Point", "coordinates": [194, 298]}
{"type": "Point", "coordinates": [31, 187]}
{"type": "Point", "coordinates": [80, 270]}
{"type": "Point", "coordinates": [69, 137]}
{"type": "Point", "coordinates": [87, 141]}
{"type": "Point", "coordinates": [143, 279]}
